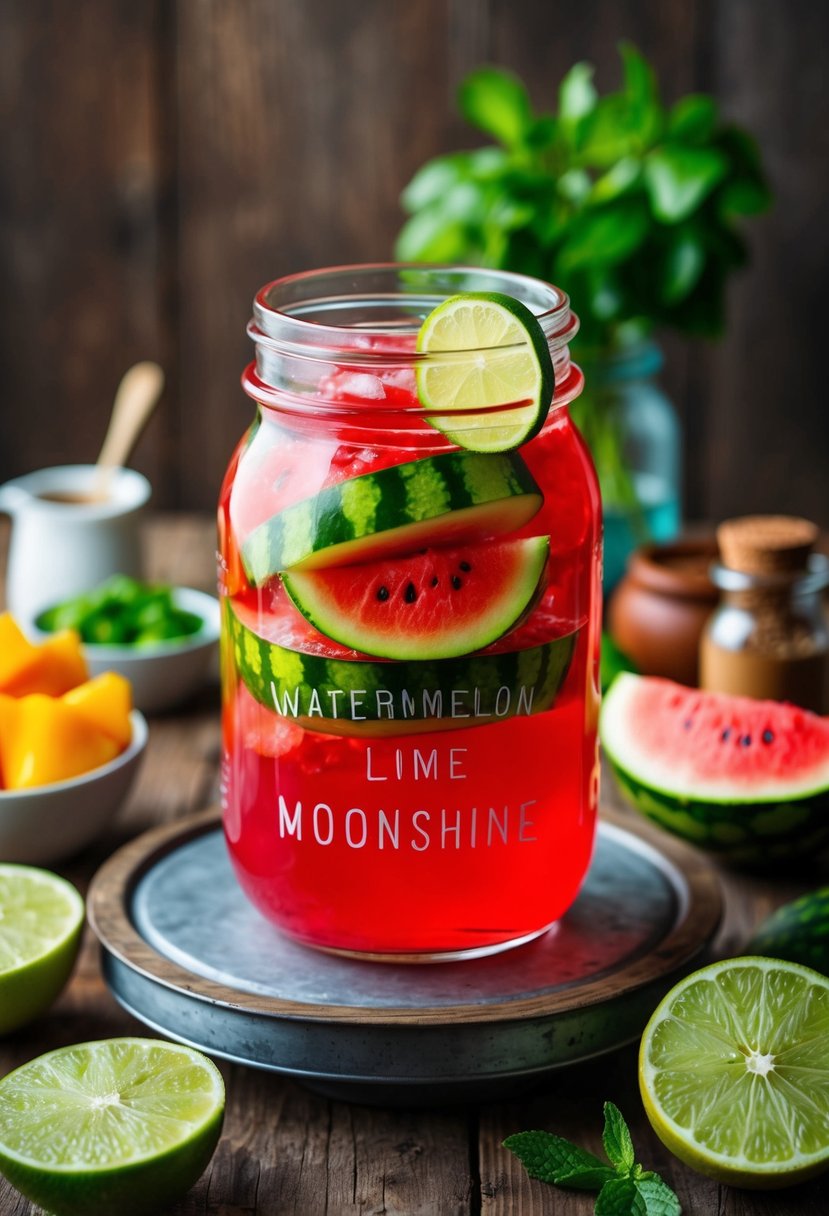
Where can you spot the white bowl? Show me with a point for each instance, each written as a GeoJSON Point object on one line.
{"type": "Point", "coordinates": [46, 824]}
{"type": "Point", "coordinates": [166, 673]}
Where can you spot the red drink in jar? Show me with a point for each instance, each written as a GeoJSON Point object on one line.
{"type": "Point", "coordinates": [410, 634]}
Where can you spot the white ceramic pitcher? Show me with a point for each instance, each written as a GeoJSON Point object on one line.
{"type": "Point", "coordinates": [64, 545]}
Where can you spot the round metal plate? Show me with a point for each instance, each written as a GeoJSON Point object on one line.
{"type": "Point", "coordinates": [186, 953]}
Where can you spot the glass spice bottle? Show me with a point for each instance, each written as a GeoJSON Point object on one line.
{"type": "Point", "coordinates": [769, 637]}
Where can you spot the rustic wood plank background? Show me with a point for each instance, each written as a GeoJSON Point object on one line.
{"type": "Point", "coordinates": [160, 161]}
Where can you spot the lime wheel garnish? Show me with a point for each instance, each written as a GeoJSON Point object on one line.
{"type": "Point", "coordinates": [488, 382]}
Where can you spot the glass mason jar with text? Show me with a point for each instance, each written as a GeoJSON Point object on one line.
{"type": "Point", "coordinates": [410, 632]}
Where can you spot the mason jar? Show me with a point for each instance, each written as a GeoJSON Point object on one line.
{"type": "Point", "coordinates": [410, 632]}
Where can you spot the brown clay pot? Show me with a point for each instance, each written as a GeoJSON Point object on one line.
{"type": "Point", "coordinates": [657, 613]}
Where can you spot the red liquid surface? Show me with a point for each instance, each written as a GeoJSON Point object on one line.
{"type": "Point", "coordinates": [457, 840]}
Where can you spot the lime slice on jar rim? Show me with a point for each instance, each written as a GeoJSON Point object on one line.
{"type": "Point", "coordinates": [508, 364]}
{"type": "Point", "coordinates": [734, 1072]}
{"type": "Point", "coordinates": [117, 1127]}
{"type": "Point", "coordinates": [41, 920]}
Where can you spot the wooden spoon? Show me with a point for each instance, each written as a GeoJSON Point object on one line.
{"type": "Point", "coordinates": [135, 400]}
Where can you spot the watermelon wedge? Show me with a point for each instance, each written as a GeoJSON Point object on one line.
{"type": "Point", "coordinates": [747, 779]}
{"type": "Point", "coordinates": [436, 604]}
{"type": "Point", "coordinates": [448, 499]}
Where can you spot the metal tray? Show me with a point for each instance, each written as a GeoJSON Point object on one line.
{"type": "Point", "coordinates": [184, 951]}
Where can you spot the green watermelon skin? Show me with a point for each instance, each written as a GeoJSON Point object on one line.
{"type": "Point", "coordinates": [453, 497]}
{"type": "Point", "coordinates": [750, 823]}
{"type": "Point", "coordinates": [737, 832]}
{"type": "Point", "coordinates": [272, 672]}
{"type": "Point", "coordinates": [797, 932]}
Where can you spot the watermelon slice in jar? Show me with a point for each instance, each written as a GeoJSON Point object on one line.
{"type": "Point", "coordinates": [309, 680]}
{"type": "Point", "coordinates": [445, 499]}
{"type": "Point", "coordinates": [435, 604]}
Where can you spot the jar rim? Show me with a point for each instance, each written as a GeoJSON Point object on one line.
{"type": "Point", "coordinates": [286, 310]}
{"type": "Point", "coordinates": [815, 577]}
{"type": "Point", "coordinates": [310, 327]}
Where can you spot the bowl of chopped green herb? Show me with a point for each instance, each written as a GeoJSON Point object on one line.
{"type": "Point", "coordinates": [162, 638]}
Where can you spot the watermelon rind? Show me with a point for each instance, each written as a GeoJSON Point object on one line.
{"type": "Point", "coordinates": [478, 626]}
{"type": "Point", "coordinates": [449, 498]}
{"type": "Point", "coordinates": [738, 831]}
{"type": "Point", "coordinates": [776, 821]}
{"type": "Point", "coordinates": [391, 698]}
{"type": "Point", "coordinates": [797, 932]}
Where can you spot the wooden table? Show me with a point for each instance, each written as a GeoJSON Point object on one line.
{"type": "Point", "coordinates": [286, 1150]}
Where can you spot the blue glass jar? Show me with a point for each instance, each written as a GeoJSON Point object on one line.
{"type": "Point", "coordinates": [633, 433]}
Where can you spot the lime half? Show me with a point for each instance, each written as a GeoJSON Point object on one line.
{"type": "Point", "coordinates": [112, 1128]}
{"type": "Point", "coordinates": [734, 1072]}
{"type": "Point", "coordinates": [494, 354]}
{"type": "Point", "coordinates": [41, 918]}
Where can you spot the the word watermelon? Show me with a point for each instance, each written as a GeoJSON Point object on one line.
{"type": "Point", "coordinates": [746, 779]}
{"type": "Point", "coordinates": [358, 696]}
{"type": "Point", "coordinates": [449, 499]}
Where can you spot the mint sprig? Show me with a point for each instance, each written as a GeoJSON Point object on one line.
{"type": "Point", "coordinates": [554, 1159]}
{"type": "Point", "coordinates": [620, 1197]}
{"type": "Point", "coordinates": [616, 1139]}
{"type": "Point", "coordinates": [624, 1188]}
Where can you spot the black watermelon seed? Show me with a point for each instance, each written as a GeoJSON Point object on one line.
{"type": "Point", "coordinates": [457, 583]}
{"type": "Point", "coordinates": [746, 741]}
{"type": "Point", "coordinates": [465, 566]}
{"type": "Point", "coordinates": [688, 723]}
{"type": "Point", "coordinates": [382, 594]}
{"type": "Point", "coordinates": [435, 581]}
{"type": "Point", "coordinates": [410, 594]}
{"type": "Point", "coordinates": [423, 550]}
{"type": "Point", "coordinates": [726, 735]}
{"type": "Point", "coordinates": [768, 736]}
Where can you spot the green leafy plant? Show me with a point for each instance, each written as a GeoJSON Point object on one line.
{"type": "Point", "coordinates": [624, 1188]}
{"type": "Point", "coordinates": [632, 207]}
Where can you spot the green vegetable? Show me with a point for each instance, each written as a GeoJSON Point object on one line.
{"type": "Point", "coordinates": [122, 612]}
{"type": "Point", "coordinates": [798, 932]}
{"type": "Point", "coordinates": [624, 1188]}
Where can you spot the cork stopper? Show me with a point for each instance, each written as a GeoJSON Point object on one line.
{"type": "Point", "coordinates": [766, 544]}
